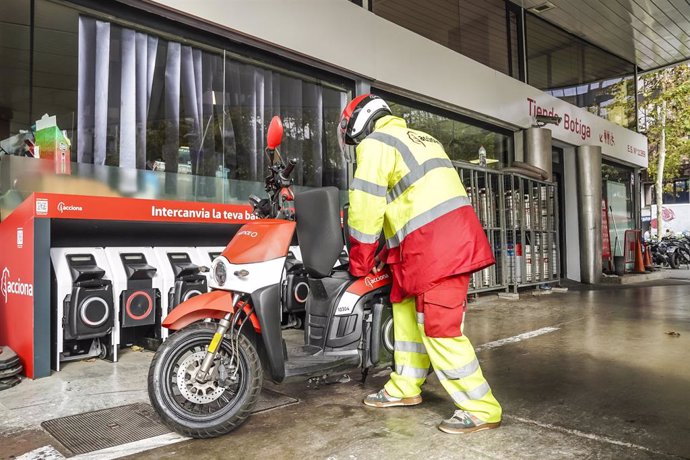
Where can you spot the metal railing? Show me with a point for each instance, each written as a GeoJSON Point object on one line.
{"type": "Point", "coordinates": [520, 217]}
{"type": "Point", "coordinates": [533, 253]}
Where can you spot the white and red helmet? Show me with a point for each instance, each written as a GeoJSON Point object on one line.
{"type": "Point", "coordinates": [357, 120]}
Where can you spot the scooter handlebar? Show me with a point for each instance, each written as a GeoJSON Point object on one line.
{"type": "Point", "coordinates": [288, 169]}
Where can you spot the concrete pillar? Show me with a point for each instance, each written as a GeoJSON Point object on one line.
{"type": "Point", "coordinates": [519, 143]}
{"type": "Point", "coordinates": [569, 192]}
{"type": "Point", "coordinates": [589, 211]}
{"type": "Point", "coordinates": [539, 150]}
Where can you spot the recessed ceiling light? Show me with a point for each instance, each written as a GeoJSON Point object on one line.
{"type": "Point", "coordinates": [542, 8]}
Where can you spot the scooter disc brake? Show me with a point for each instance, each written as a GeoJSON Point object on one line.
{"type": "Point", "coordinates": [198, 393]}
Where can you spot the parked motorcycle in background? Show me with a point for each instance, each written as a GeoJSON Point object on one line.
{"type": "Point", "coordinates": [679, 251]}
{"type": "Point", "coordinates": [671, 251]}
{"type": "Point", "coordinates": [660, 254]}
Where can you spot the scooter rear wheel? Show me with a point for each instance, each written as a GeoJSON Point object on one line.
{"type": "Point", "coordinates": [212, 408]}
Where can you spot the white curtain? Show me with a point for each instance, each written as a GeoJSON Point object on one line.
{"type": "Point", "coordinates": [142, 100]}
{"type": "Point", "coordinates": [137, 58]}
{"type": "Point", "coordinates": [92, 96]}
{"type": "Point", "coordinates": [172, 106]}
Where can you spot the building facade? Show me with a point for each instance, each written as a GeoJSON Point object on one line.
{"type": "Point", "coordinates": [171, 98]}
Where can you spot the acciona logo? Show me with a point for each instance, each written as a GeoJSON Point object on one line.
{"type": "Point", "coordinates": [16, 287]}
{"type": "Point", "coordinates": [62, 207]}
{"type": "Point", "coordinates": [370, 282]}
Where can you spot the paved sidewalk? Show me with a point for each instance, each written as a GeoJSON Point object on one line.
{"type": "Point", "coordinates": [681, 273]}
{"type": "Point", "coordinates": [590, 373]}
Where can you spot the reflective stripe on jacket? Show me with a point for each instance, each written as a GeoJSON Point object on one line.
{"type": "Point", "coordinates": [406, 186]}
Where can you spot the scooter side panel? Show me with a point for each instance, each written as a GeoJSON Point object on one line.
{"type": "Point", "coordinates": [266, 302]}
{"type": "Point", "coordinates": [320, 307]}
{"type": "Point", "coordinates": [346, 330]}
{"type": "Point", "coordinates": [360, 288]}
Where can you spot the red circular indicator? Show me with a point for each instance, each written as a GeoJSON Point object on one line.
{"type": "Point", "coordinates": [128, 306]}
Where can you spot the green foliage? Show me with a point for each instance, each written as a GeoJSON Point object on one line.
{"type": "Point", "coordinates": [671, 85]}
{"type": "Point", "coordinates": [622, 111]}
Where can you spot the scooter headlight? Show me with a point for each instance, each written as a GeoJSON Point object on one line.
{"type": "Point", "coordinates": [220, 273]}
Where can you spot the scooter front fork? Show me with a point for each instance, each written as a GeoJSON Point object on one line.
{"type": "Point", "coordinates": [223, 326]}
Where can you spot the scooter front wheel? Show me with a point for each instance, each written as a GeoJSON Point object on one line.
{"type": "Point", "coordinates": [215, 406]}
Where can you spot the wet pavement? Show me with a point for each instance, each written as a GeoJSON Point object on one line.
{"type": "Point", "coordinates": [602, 380]}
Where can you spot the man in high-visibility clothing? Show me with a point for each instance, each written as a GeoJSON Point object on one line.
{"type": "Point", "coordinates": [406, 186]}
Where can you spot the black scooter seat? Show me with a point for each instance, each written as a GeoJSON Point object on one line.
{"type": "Point", "coordinates": [342, 273]}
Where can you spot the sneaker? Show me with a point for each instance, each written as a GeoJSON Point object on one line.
{"type": "Point", "coordinates": [383, 399]}
{"type": "Point", "coordinates": [463, 422]}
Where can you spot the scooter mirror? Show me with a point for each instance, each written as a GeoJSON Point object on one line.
{"type": "Point", "coordinates": [275, 133]}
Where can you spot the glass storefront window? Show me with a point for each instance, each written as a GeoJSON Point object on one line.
{"type": "Point", "coordinates": [15, 55]}
{"type": "Point", "coordinates": [310, 112]}
{"type": "Point", "coordinates": [612, 99]}
{"type": "Point", "coordinates": [483, 30]}
{"type": "Point", "coordinates": [460, 139]}
{"type": "Point", "coordinates": [571, 69]}
{"type": "Point", "coordinates": [133, 98]}
{"type": "Point", "coordinates": [184, 109]}
{"type": "Point", "coordinates": [677, 192]}
{"type": "Point", "coordinates": [618, 189]}
{"type": "Point", "coordinates": [55, 66]}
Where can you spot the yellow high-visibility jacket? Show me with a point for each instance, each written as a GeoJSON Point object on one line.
{"type": "Point", "coordinates": [406, 186]}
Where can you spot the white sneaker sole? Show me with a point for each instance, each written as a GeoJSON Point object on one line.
{"type": "Point", "coordinates": [413, 401]}
{"type": "Point", "coordinates": [486, 426]}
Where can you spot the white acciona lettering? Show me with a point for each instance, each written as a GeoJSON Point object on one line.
{"type": "Point", "coordinates": [62, 207]}
{"type": "Point", "coordinates": [8, 286]}
{"type": "Point", "coordinates": [369, 282]}
{"type": "Point", "coordinates": [17, 287]}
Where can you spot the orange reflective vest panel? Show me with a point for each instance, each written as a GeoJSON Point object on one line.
{"type": "Point", "coordinates": [406, 186]}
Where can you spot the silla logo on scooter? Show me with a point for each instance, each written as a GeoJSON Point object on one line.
{"type": "Point", "coordinates": [248, 233]}
{"type": "Point", "coordinates": [369, 282]}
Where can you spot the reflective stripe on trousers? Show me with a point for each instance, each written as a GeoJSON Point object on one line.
{"type": "Point", "coordinates": [415, 347]}
{"type": "Point", "coordinates": [460, 372]}
{"type": "Point", "coordinates": [408, 370]}
{"type": "Point", "coordinates": [453, 359]}
{"type": "Point", "coordinates": [411, 359]}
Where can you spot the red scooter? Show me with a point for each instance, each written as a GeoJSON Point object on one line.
{"type": "Point", "coordinates": [206, 377]}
